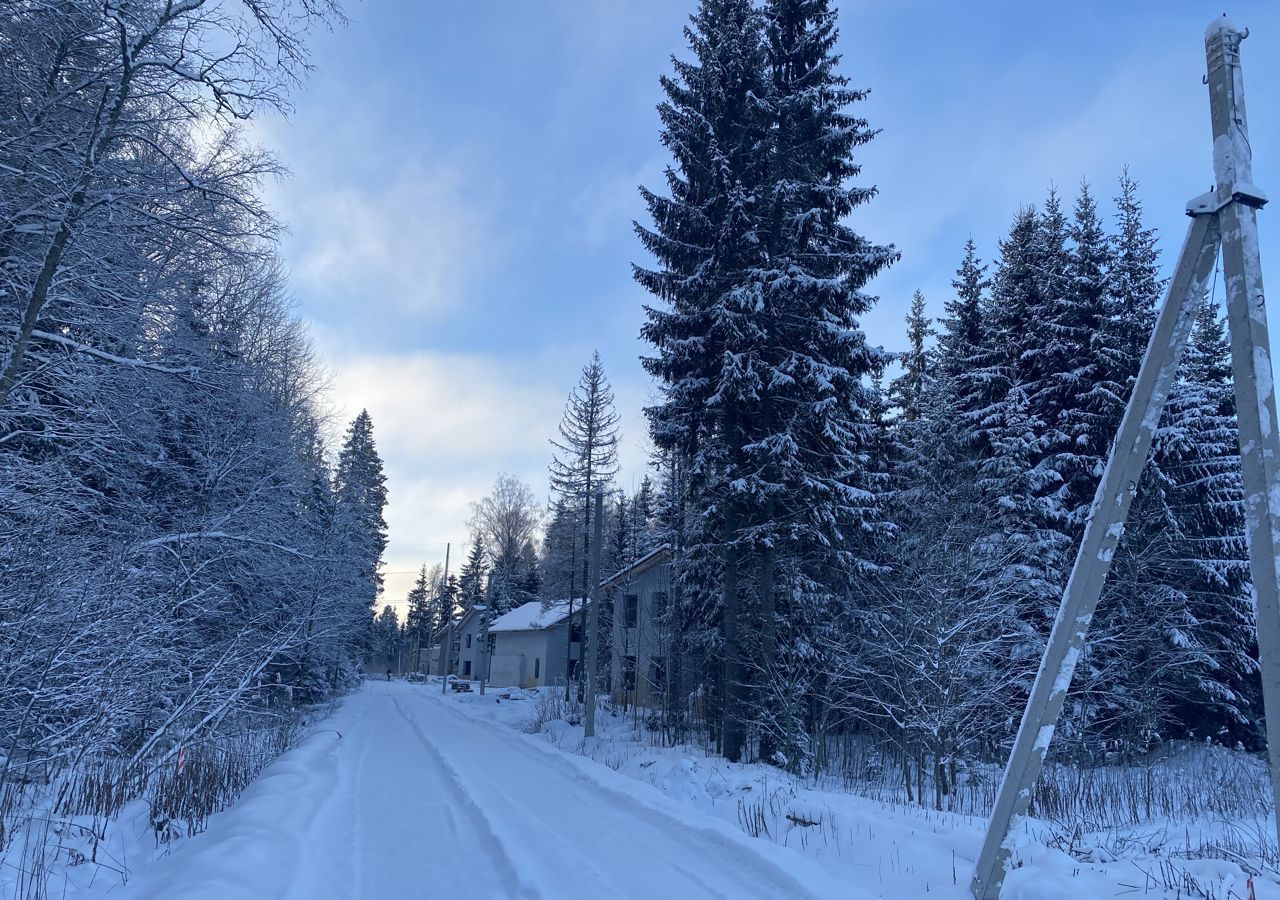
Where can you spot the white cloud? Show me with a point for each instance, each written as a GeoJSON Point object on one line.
{"type": "Point", "coordinates": [445, 425]}
{"type": "Point", "coordinates": [408, 243]}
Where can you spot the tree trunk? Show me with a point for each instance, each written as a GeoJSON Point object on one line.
{"type": "Point", "coordinates": [733, 730]}
{"type": "Point", "coordinates": [768, 631]}
{"type": "Point", "coordinates": [70, 215]}
{"type": "Point", "coordinates": [906, 773]}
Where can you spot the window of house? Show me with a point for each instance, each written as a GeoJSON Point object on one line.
{"type": "Point", "coordinates": [659, 604]}
{"type": "Point", "coordinates": [628, 673]}
{"type": "Point", "coordinates": [575, 633]}
{"type": "Point", "coordinates": [466, 668]}
{"type": "Point", "coordinates": [657, 675]}
{"type": "Point", "coordinates": [537, 667]}
{"type": "Point", "coordinates": [630, 611]}
{"type": "Point", "coordinates": [468, 642]}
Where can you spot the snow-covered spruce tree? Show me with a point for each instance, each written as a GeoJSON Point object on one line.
{"type": "Point", "coordinates": [1089, 410]}
{"type": "Point", "coordinates": [361, 497]}
{"type": "Point", "coordinates": [1117, 693]}
{"type": "Point", "coordinates": [1134, 286]}
{"type": "Point", "coordinates": [386, 637]}
{"type": "Point", "coordinates": [993, 366]}
{"type": "Point", "coordinates": [584, 459]}
{"type": "Point", "coordinates": [471, 583]}
{"type": "Point", "coordinates": [1214, 692]}
{"type": "Point", "coordinates": [561, 551]}
{"type": "Point", "coordinates": [444, 598]}
{"type": "Point", "coordinates": [705, 239]}
{"type": "Point", "coordinates": [419, 623]}
{"type": "Point", "coordinates": [809, 476]}
{"type": "Point", "coordinates": [916, 361]}
{"type": "Point", "coordinates": [642, 512]}
{"type": "Point", "coordinates": [1004, 435]}
{"type": "Point", "coordinates": [1039, 422]}
{"type": "Point", "coordinates": [759, 351]}
{"type": "Point", "coordinates": [963, 321]}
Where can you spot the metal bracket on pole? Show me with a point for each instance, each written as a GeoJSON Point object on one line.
{"type": "Point", "coordinates": [1226, 216]}
{"type": "Point", "coordinates": [1211, 204]}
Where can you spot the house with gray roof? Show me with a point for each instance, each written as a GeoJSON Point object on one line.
{"type": "Point", "coordinates": [533, 646]}
{"type": "Point", "coordinates": [639, 594]}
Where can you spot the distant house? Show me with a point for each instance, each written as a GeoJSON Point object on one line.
{"type": "Point", "coordinates": [531, 645]}
{"type": "Point", "coordinates": [641, 648]}
{"type": "Point", "coordinates": [467, 655]}
{"type": "Point", "coordinates": [434, 660]}
{"type": "Point", "coordinates": [442, 662]}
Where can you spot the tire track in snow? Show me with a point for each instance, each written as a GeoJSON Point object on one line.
{"type": "Point", "coordinates": [591, 877]}
{"type": "Point", "coordinates": [748, 868]}
{"type": "Point", "coordinates": [502, 860]}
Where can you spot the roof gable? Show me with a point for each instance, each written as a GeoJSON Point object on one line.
{"type": "Point", "coordinates": [653, 558]}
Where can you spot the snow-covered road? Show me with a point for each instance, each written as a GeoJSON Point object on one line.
{"type": "Point", "coordinates": [420, 799]}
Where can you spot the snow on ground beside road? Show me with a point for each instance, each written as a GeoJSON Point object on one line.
{"type": "Point", "coordinates": [418, 798]}
{"type": "Point", "coordinates": [432, 795]}
{"type": "Point", "coordinates": [896, 850]}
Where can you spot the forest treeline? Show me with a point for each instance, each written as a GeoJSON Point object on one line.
{"type": "Point", "coordinates": [184, 554]}
{"type": "Point", "coordinates": [876, 543]}
{"type": "Point", "coordinates": [851, 556]}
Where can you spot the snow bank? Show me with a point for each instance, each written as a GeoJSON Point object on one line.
{"type": "Point", "coordinates": [902, 851]}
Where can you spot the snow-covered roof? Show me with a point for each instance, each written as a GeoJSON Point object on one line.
{"type": "Point", "coordinates": [469, 613]}
{"type": "Point", "coordinates": [531, 617]}
{"type": "Point", "coordinates": [640, 565]}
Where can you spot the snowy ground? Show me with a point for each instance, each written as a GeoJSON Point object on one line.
{"type": "Point", "coordinates": [423, 795]}
{"type": "Point", "coordinates": [898, 851]}
{"type": "Point", "coordinates": [420, 799]}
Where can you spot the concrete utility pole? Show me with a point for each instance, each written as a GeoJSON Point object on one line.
{"type": "Point", "coordinates": [448, 629]}
{"type": "Point", "coordinates": [593, 628]}
{"type": "Point", "coordinates": [1226, 217]}
{"type": "Point", "coordinates": [484, 636]}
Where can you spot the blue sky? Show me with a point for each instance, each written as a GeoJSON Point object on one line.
{"type": "Point", "coordinates": [465, 171]}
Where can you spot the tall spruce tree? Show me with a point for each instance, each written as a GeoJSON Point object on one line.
{"type": "Point", "coordinates": [471, 583]}
{"type": "Point", "coordinates": [1090, 413]}
{"type": "Point", "coordinates": [1119, 692]}
{"type": "Point", "coordinates": [962, 322]}
{"type": "Point", "coordinates": [1216, 687]}
{"type": "Point", "coordinates": [360, 491]}
{"type": "Point", "coordinates": [584, 460]}
{"type": "Point", "coordinates": [705, 238]}
{"type": "Point", "coordinates": [1006, 430]}
{"type": "Point", "coordinates": [916, 362]}
{"type": "Point", "coordinates": [418, 624]}
{"type": "Point", "coordinates": [759, 352]}
{"type": "Point", "coordinates": [809, 475]}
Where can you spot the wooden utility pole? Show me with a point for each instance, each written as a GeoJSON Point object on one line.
{"type": "Point", "coordinates": [1226, 218]}
{"type": "Point", "coordinates": [594, 619]}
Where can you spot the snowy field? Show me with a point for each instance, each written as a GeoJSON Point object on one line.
{"type": "Point", "coordinates": [404, 792]}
